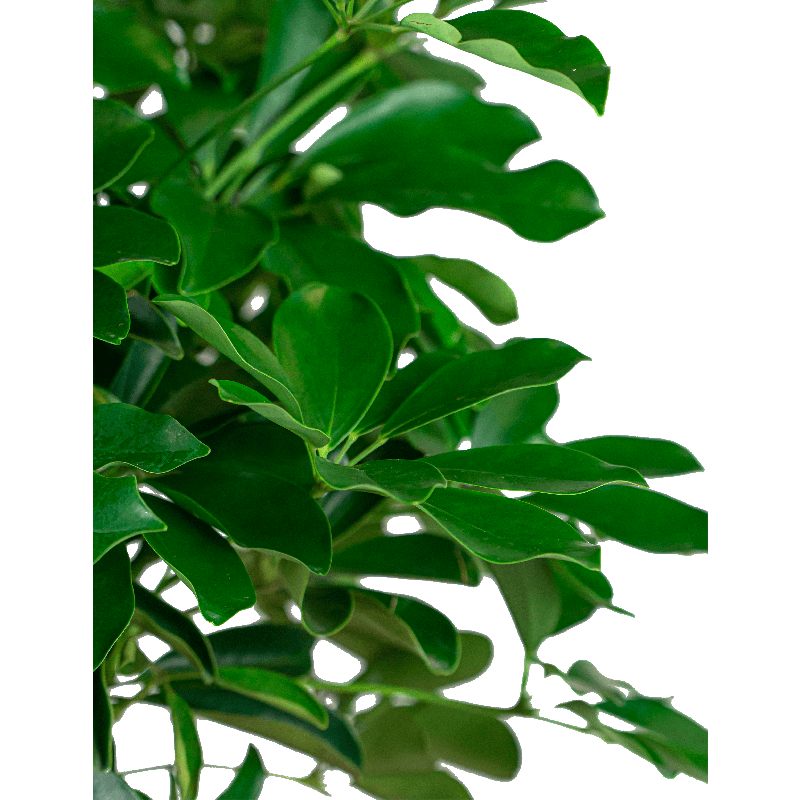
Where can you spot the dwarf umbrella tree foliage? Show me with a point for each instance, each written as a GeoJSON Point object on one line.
{"type": "Point", "coordinates": [258, 416]}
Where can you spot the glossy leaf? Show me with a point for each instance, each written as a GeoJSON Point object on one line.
{"type": "Point", "coordinates": [119, 511]}
{"type": "Point", "coordinates": [515, 417]}
{"type": "Point", "coordinates": [169, 625]}
{"type": "Point", "coordinates": [336, 348]}
{"type": "Point", "coordinates": [480, 376]}
{"type": "Point", "coordinates": [405, 481]}
{"type": "Point", "coordinates": [490, 293]}
{"type": "Point", "coordinates": [119, 138]}
{"type": "Point", "coordinates": [531, 468]}
{"type": "Point", "coordinates": [188, 753]}
{"type": "Point", "coordinates": [336, 745]}
{"type": "Point", "coordinates": [139, 373]}
{"type": "Point", "coordinates": [109, 786]}
{"type": "Point", "coordinates": [111, 321]}
{"type": "Point", "coordinates": [125, 234]}
{"type": "Point", "coordinates": [150, 324]}
{"type": "Point", "coordinates": [640, 518]}
{"type": "Point", "coordinates": [102, 721]}
{"type": "Point", "coordinates": [653, 458]}
{"type": "Point", "coordinates": [233, 392]}
{"type": "Point", "coordinates": [126, 434]}
{"type": "Point", "coordinates": [448, 149]}
{"type": "Point", "coordinates": [419, 555]}
{"type": "Point", "coordinates": [502, 530]}
{"type": "Point", "coordinates": [203, 560]}
{"type": "Point", "coordinates": [315, 254]}
{"type": "Point", "coordinates": [128, 273]}
{"type": "Point", "coordinates": [220, 243]}
{"type": "Point", "coordinates": [326, 609]}
{"type": "Point", "coordinates": [238, 344]}
{"type": "Point", "coordinates": [112, 601]}
{"type": "Point", "coordinates": [255, 487]}
{"type": "Point", "coordinates": [249, 779]}
{"type": "Point", "coordinates": [527, 43]}
{"type": "Point", "coordinates": [438, 321]}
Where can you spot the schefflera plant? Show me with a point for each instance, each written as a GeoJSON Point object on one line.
{"type": "Point", "coordinates": [253, 429]}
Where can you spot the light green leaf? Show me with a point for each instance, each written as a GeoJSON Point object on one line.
{"type": "Point", "coordinates": [203, 560]}
{"type": "Point", "coordinates": [640, 518]}
{"type": "Point", "coordinates": [125, 234]}
{"type": "Point", "coordinates": [502, 530]}
{"type": "Point", "coordinates": [188, 753]}
{"type": "Point", "coordinates": [233, 392]}
{"type": "Point", "coordinates": [531, 468]}
{"type": "Point", "coordinates": [126, 434]}
{"type": "Point", "coordinates": [480, 376]}
{"type": "Point", "coordinates": [515, 417]}
{"type": "Point", "coordinates": [113, 600]}
{"type": "Point", "coordinates": [249, 779]}
{"type": "Point", "coordinates": [128, 273]}
{"type": "Point", "coordinates": [405, 481]}
{"type": "Point", "coordinates": [336, 348]}
{"type": "Point", "coordinates": [527, 43]}
{"type": "Point", "coordinates": [653, 458]}
{"type": "Point", "coordinates": [111, 320]}
{"type": "Point", "coordinates": [119, 511]}
{"type": "Point", "coordinates": [119, 138]}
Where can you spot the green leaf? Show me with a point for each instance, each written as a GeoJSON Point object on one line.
{"type": "Point", "coordinates": [128, 273]}
{"type": "Point", "coordinates": [119, 511]}
{"type": "Point", "coordinates": [111, 321]}
{"type": "Point", "coordinates": [527, 43]}
{"type": "Point", "coordinates": [502, 530]}
{"type": "Point", "coordinates": [314, 254]}
{"type": "Point", "coordinates": [125, 234]}
{"type": "Point", "coordinates": [203, 560]}
{"type": "Point", "coordinates": [126, 434]}
{"type": "Point", "coordinates": [405, 481]}
{"type": "Point", "coordinates": [188, 753]}
{"type": "Point", "coordinates": [139, 373]}
{"type": "Point", "coordinates": [233, 392]}
{"type": "Point", "coordinates": [172, 627]}
{"type": "Point", "coordinates": [640, 518]}
{"type": "Point", "coordinates": [236, 343]}
{"type": "Point", "coordinates": [119, 138]}
{"type": "Point", "coordinates": [436, 784]}
{"type": "Point", "coordinates": [109, 786]}
{"type": "Point", "coordinates": [102, 721]}
{"type": "Point", "coordinates": [531, 468]}
{"type": "Point", "coordinates": [583, 677]}
{"type": "Point", "coordinates": [113, 600]}
{"type": "Point", "coordinates": [326, 609]}
{"type": "Point", "coordinates": [409, 66]}
{"type": "Point", "coordinates": [150, 324]}
{"type": "Point", "coordinates": [394, 391]}
{"type": "Point", "coordinates": [653, 458]}
{"type": "Point", "coordinates": [431, 144]}
{"type": "Point", "coordinates": [515, 417]}
{"type": "Point", "coordinates": [220, 243]}
{"type": "Point", "coordinates": [490, 293]}
{"type": "Point", "coordinates": [419, 555]}
{"type": "Point", "coordinates": [336, 745]}
{"type": "Point", "coordinates": [275, 689]}
{"type": "Point", "coordinates": [255, 488]}
{"type": "Point", "coordinates": [336, 348]}
{"type": "Point", "coordinates": [447, 7]}
{"type": "Point", "coordinates": [249, 779]}
{"type": "Point", "coordinates": [480, 376]}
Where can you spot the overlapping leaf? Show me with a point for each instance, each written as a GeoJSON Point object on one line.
{"type": "Point", "coordinates": [119, 138]}
{"type": "Point", "coordinates": [110, 318]}
{"type": "Point", "coordinates": [249, 779]}
{"type": "Point", "coordinates": [113, 600]}
{"type": "Point", "coordinates": [125, 234]}
{"type": "Point", "coordinates": [515, 417]}
{"type": "Point", "coordinates": [188, 753]}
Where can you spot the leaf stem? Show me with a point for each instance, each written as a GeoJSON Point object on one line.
{"type": "Point", "coordinates": [364, 453]}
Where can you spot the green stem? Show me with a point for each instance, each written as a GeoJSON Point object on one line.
{"type": "Point", "coordinates": [383, 11]}
{"type": "Point", "coordinates": [247, 159]}
{"type": "Point", "coordinates": [364, 453]}
{"type": "Point", "coordinates": [362, 12]}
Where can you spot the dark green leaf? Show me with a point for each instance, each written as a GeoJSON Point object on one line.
{"type": "Point", "coordinates": [149, 324]}
{"type": "Point", "coordinates": [420, 555]}
{"type": "Point", "coordinates": [113, 600]}
{"type": "Point", "coordinates": [255, 487]}
{"type": "Point", "coordinates": [527, 43]}
{"type": "Point", "coordinates": [203, 560]}
{"type": "Point", "coordinates": [220, 243]}
{"type": "Point", "coordinates": [435, 784]}
{"type": "Point", "coordinates": [502, 530]}
{"type": "Point", "coordinates": [126, 434]}
{"type": "Point", "coordinates": [411, 66]}
{"type": "Point", "coordinates": [102, 721]}
{"type": "Point", "coordinates": [138, 376]}
{"type": "Point", "coordinates": [109, 786]}
{"type": "Point", "coordinates": [405, 481]}
{"type": "Point", "coordinates": [111, 320]}
{"type": "Point", "coordinates": [531, 468]}
{"type": "Point", "coordinates": [447, 7]}
{"type": "Point", "coordinates": [653, 458]}
{"type": "Point", "coordinates": [480, 376]}
{"type": "Point", "coordinates": [640, 518]}
{"type": "Point", "coordinates": [119, 511]}
{"type": "Point", "coordinates": [249, 779]}
{"type": "Point", "coordinates": [188, 753]}
{"type": "Point", "coordinates": [125, 234]}
{"type": "Point", "coordinates": [119, 138]}
{"type": "Point", "coordinates": [326, 609]}
{"type": "Point", "coordinates": [172, 627]}
{"type": "Point", "coordinates": [515, 417]}
{"type": "Point", "coordinates": [233, 392]}
{"type": "Point", "coordinates": [336, 348]}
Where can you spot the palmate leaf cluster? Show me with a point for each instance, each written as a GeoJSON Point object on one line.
{"type": "Point", "coordinates": [255, 433]}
